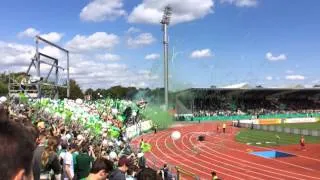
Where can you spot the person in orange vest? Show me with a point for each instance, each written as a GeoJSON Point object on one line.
{"type": "Point", "coordinates": [302, 143]}
{"type": "Point", "coordinates": [224, 127]}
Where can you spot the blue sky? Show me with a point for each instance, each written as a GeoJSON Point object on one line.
{"type": "Point", "coordinates": [219, 42]}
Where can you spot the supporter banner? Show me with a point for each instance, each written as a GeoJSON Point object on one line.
{"type": "Point", "coordinates": [134, 130]}
{"type": "Point", "coordinates": [269, 121]}
{"type": "Point", "coordinates": [300, 120]}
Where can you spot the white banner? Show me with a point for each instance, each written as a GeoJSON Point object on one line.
{"type": "Point", "coordinates": [137, 129]}
{"type": "Point", "coordinates": [300, 120]}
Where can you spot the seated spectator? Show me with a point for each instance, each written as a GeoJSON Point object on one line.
{"type": "Point", "coordinates": [100, 170]}
{"type": "Point", "coordinates": [120, 172]}
{"type": "Point", "coordinates": [16, 151]}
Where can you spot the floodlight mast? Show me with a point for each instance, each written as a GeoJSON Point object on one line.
{"type": "Point", "coordinates": [165, 23]}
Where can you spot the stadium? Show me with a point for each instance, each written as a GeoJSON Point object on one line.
{"type": "Point", "coordinates": [80, 100]}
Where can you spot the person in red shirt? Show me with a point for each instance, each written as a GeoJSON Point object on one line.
{"type": "Point", "coordinates": [302, 143]}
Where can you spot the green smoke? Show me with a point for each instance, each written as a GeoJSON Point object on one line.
{"type": "Point", "coordinates": [159, 117]}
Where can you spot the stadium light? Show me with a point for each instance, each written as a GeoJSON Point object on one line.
{"type": "Point", "coordinates": [165, 23]}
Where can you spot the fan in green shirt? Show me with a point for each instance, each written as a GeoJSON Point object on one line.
{"type": "Point", "coordinates": [84, 161]}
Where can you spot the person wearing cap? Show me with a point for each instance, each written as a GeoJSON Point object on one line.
{"type": "Point", "coordinates": [120, 172]}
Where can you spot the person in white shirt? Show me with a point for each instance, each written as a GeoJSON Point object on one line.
{"type": "Point", "coordinates": [68, 166]}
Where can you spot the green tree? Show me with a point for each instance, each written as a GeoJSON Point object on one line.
{"type": "Point", "coordinates": [3, 88]}
{"type": "Point", "coordinates": [75, 91]}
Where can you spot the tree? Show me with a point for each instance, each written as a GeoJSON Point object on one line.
{"type": "Point", "coordinates": [75, 91]}
{"type": "Point", "coordinates": [3, 88]}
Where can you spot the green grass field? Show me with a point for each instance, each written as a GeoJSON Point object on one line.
{"type": "Point", "coordinates": [259, 136]}
{"type": "Point", "coordinates": [311, 126]}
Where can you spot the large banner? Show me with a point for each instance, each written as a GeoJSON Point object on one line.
{"type": "Point", "coordinates": [135, 130]}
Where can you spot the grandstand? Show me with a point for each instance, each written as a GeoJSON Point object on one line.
{"type": "Point", "coordinates": [243, 102]}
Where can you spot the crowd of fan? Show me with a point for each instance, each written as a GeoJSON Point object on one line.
{"type": "Point", "coordinates": [255, 108]}
{"type": "Point", "coordinates": [52, 149]}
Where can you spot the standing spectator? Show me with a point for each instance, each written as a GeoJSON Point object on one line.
{"type": "Point", "coordinates": [16, 151]}
{"type": "Point", "coordinates": [23, 83]}
{"type": "Point", "coordinates": [84, 161]}
{"type": "Point", "coordinates": [218, 128]}
{"type": "Point", "coordinates": [148, 174]}
{"type": "Point", "coordinates": [100, 170]}
{"type": "Point", "coordinates": [68, 166]}
{"type": "Point", "coordinates": [214, 175]}
{"type": "Point", "coordinates": [302, 143]}
{"type": "Point", "coordinates": [49, 161]}
{"type": "Point", "coordinates": [224, 125]}
{"type": "Point", "coordinates": [41, 141]}
{"type": "Point", "coordinates": [141, 161]}
{"type": "Point", "coordinates": [75, 153]}
{"type": "Point", "coordinates": [167, 175]}
{"type": "Point", "coordinates": [130, 175]}
{"type": "Point", "coordinates": [41, 127]}
{"type": "Point", "coordinates": [120, 172]}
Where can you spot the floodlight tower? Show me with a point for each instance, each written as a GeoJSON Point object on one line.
{"type": "Point", "coordinates": [165, 23]}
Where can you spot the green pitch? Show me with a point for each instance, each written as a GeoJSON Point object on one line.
{"type": "Point", "coordinates": [266, 138]}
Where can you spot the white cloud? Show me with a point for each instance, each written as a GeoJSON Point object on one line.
{"type": "Point", "coordinates": [150, 11]}
{"type": "Point", "coordinates": [271, 57]}
{"type": "Point", "coordinates": [295, 77]}
{"type": "Point", "coordinates": [241, 3]}
{"type": "Point", "coordinates": [106, 75]}
{"type": "Point", "coordinates": [83, 67]}
{"type": "Point", "coordinates": [141, 40]}
{"type": "Point", "coordinates": [13, 54]}
{"type": "Point", "coordinates": [98, 40]}
{"type": "Point", "coordinates": [52, 36]}
{"type": "Point", "coordinates": [108, 57]}
{"type": "Point", "coordinates": [153, 56]}
{"type": "Point", "coordinates": [204, 53]}
{"type": "Point", "coordinates": [30, 32]}
{"type": "Point", "coordinates": [289, 71]}
{"type": "Point", "coordinates": [133, 30]}
{"type": "Point", "coordinates": [100, 10]}
{"type": "Point", "coordinates": [269, 78]}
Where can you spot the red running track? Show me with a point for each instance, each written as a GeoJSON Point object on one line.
{"type": "Point", "coordinates": [230, 159]}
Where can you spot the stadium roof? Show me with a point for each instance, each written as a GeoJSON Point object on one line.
{"type": "Point", "coordinates": [246, 85]}
{"type": "Point", "coordinates": [313, 93]}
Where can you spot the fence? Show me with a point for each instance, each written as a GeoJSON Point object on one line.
{"type": "Point", "coordinates": [276, 128]}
